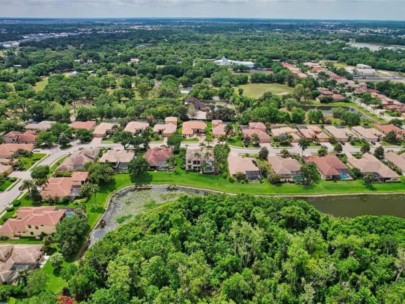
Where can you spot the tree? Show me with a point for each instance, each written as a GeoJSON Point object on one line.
{"type": "Point", "coordinates": [46, 138]}
{"type": "Point", "coordinates": [304, 143]}
{"type": "Point", "coordinates": [64, 140]}
{"type": "Point", "coordinates": [338, 148]}
{"type": "Point", "coordinates": [379, 152]}
{"type": "Point", "coordinates": [297, 116]}
{"type": "Point", "coordinates": [255, 139]}
{"type": "Point", "coordinates": [100, 173]}
{"type": "Point", "coordinates": [29, 185]}
{"type": "Point", "coordinates": [263, 153]}
{"type": "Point", "coordinates": [175, 142]}
{"type": "Point", "coordinates": [284, 153]}
{"type": "Point", "coordinates": [368, 179]}
{"type": "Point", "coordinates": [70, 233]}
{"type": "Point", "coordinates": [391, 138]}
{"type": "Point", "coordinates": [323, 151]}
{"type": "Point", "coordinates": [36, 282]}
{"type": "Point", "coordinates": [310, 174]}
{"type": "Point", "coordinates": [40, 172]}
{"type": "Point", "coordinates": [315, 116]}
{"type": "Point", "coordinates": [365, 148]}
{"type": "Point", "coordinates": [56, 260]}
{"type": "Point", "coordinates": [138, 166]}
{"type": "Point", "coordinates": [84, 135]}
{"type": "Point", "coordinates": [125, 138]}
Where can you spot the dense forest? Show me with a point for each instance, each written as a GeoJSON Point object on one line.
{"type": "Point", "coordinates": [225, 249]}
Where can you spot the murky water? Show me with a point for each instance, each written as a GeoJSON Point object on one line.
{"type": "Point", "coordinates": [355, 205]}
{"type": "Point", "coordinates": [130, 202]}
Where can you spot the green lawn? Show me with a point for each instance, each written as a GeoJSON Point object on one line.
{"type": "Point", "coordinates": [190, 140]}
{"type": "Point", "coordinates": [256, 90]}
{"type": "Point", "coordinates": [30, 161]}
{"type": "Point", "coordinates": [55, 282]}
{"type": "Point", "coordinates": [40, 85]}
{"type": "Point", "coordinates": [7, 183]}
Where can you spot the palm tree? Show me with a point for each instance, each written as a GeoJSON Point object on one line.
{"type": "Point", "coordinates": [28, 184]}
{"type": "Point", "coordinates": [284, 153]}
{"type": "Point", "coordinates": [304, 144]}
{"type": "Point", "coordinates": [228, 130]}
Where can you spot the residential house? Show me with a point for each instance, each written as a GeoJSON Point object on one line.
{"type": "Point", "coordinates": [369, 164]}
{"type": "Point", "coordinates": [313, 132]}
{"type": "Point", "coordinates": [193, 127]}
{"type": "Point", "coordinates": [200, 159]}
{"type": "Point", "coordinates": [157, 158]}
{"type": "Point", "coordinates": [295, 70]}
{"type": "Point", "coordinates": [197, 104]}
{"type": "Point", "coordinates": [78, 160]}
{"type": "Point", "coordinates": [32, 222]}
{"type": "Point", "coordinates": [166, 129]}
{"type": "Point", "coordinates": [257, 126]}
{"type": "Point", "coordinates": [289, 169]}
{"type": "Point", "coordinates": [385, 129]}
{"type": "Point", "coordinates": [369, 134]}
{"type": "Point", "coordinates": [118, 157]}
{"type": "Point", "coordinates": [27, 137]}
{"type": "Point", "coordinates": [5, 169]}
{"type": "Point", "coordinates": [229, 62]}
{"type": "Point", "coordinates": [135, 127]}
{"type": "Point", "coordinates": [61, 187]}
{"type": "Point", "coordinates": [218, 128]}
{"type": "Point", "coordinates": [277, 131]}
{"type": "Point", "coordinates": [171, 120]}
{"type": "Point", "coordinates": [40, 126]}
{"type": "Point", "coordinates": [8, 150]}
{"type": "Point", "coordinates": [330, 167]}
{"type": "Point", "coordinates": [243, 165]}
{"type": "Point", "coordinates": [398, 160]}
{"type": "Point", "coordinates": [13, 258]}
{"type": "Point", "coordinates": [262, 135]}
{"type": "Point", "coordinates": [103, 129]}
{"type": "Point", "coordinates": [86, 125]}
{"type": "Point", "coordinates": [341, 134]}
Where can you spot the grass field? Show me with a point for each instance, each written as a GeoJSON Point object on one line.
{"type": "Point", "coordinates": [256, 90]}
{"type": "Point", "coordinates": [40, 85]}
{"type": "Point", "coordinates": [30, 161]}
{"type": "Point", "coordinates": [7, 183]}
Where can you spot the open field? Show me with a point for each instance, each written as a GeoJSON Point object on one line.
{"type": "Point", "coordinates": [256, 90]}
{"type": "Point", "coordinates": [39, 86]}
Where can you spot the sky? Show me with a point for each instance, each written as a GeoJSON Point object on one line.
{"type": "Point", "coordinates": [297, 9]}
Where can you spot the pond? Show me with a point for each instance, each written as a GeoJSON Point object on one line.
{"type": "Point", "coordinates": [356, 205]}
{"type": "Point", "coordinates": [130, 202]}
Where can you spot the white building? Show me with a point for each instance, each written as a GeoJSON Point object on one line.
{"type": "Point", "coordinates": [225, 61]}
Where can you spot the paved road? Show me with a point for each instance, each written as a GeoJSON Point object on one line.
{"type": "Point", "coordinates": [53, 155]}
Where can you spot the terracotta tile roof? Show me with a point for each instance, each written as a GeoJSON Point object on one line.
{"type": "Point", "coordinates": [263, 136]}
{"type": "Point", "coordinates": [219, 129]}
{"type": "Point", "coordinates": [167, 129]}
{"type": "Point", "coordinates": [171, 120]}
{"type": "Point", "coordinates": [189, 127]}
{"type": "Point", "coordinates": [59, 187]}
{"type": "Point", "coordinates": [216, 122]}
{"type": "Point", "coordinates": [370, 164]}
{"type": "Point", "coordinates": [14, 256]}
{"type": "Point", "coordinates": [5, 168]}
{"type": "Point", "coordinates": [35, 216]}
{"type": "Point", "coordinates": [117, 155]}
{"type": "Point", "coordinates": [7, 150]}
{"type": "Point", "coordinates": [257, 126]}
{"type": "Point", "coordinates": [328, 165]}
{"type": "Point", "coordinates": [389, 128]}
{"type": "Point", "coordinates": [339, 132]}
{"type": "Point", "coordinates": [78, 160]}
{"type": "Point", "coordinates": [157, 157]}
{"type": "Point", "coordinates": [397, 159]}
{"type": "Point", "coordinates": [102, 129]}
{"type": "Point", "coordinates": [136, 126]}
{"type": "Point", "coordinates": [367, 133]}
{"type": "Point", "coordinates": [28, 137]}
{"type": "Point", "coordinates": [240, 164]}
{"type": "Point", "coordinates": [87, 125]}
{"type": "Point", "coordinates": [284, 166]}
